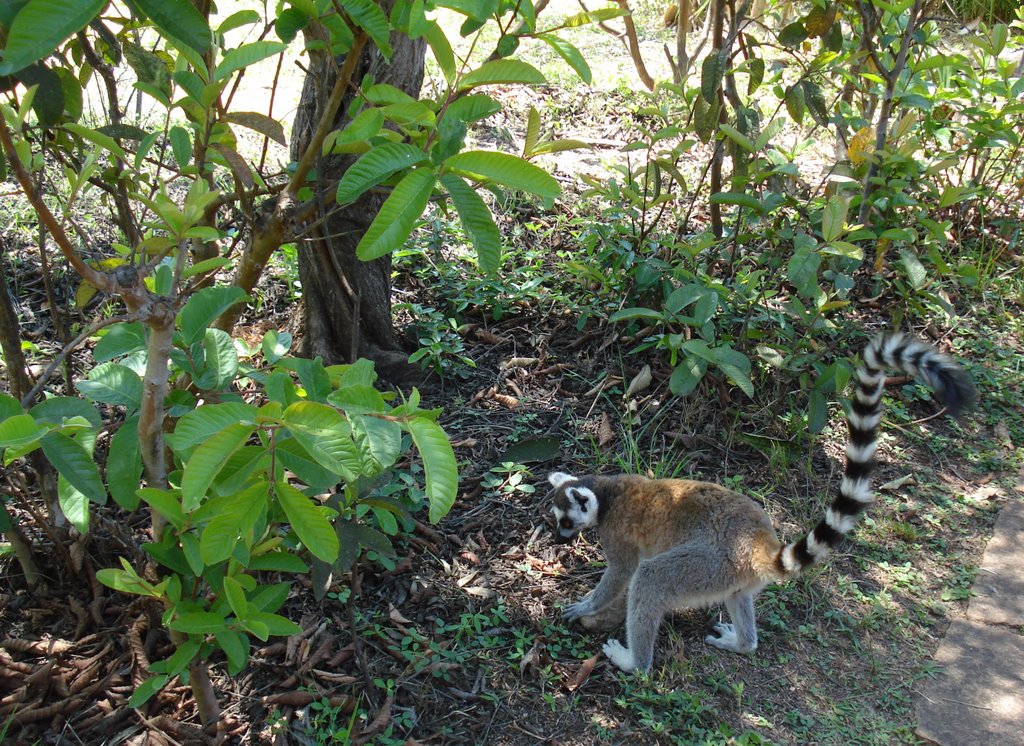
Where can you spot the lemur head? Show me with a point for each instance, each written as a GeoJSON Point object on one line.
{"type": "Point", "coordinates": [575, 506]}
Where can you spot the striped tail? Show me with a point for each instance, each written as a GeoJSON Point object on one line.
{"type": "Point", "coordinates": [951, 386]}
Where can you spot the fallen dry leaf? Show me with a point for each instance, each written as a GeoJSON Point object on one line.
{"type": "Point", "coordinates": [530, 660]}
{"type": "Point", "coordinates": [520, 362]}
{"type": "Point", "coordinates": [605, 435]}
{"type": "Point", "coordinates": [640, 382]}
{"type": "Point", "coordinates": [579, 678]}
{"type": "Point", "coordinates": [895, 484]}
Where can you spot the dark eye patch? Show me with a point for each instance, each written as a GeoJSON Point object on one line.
{"type": "Point", "coordinates": [565, 523]}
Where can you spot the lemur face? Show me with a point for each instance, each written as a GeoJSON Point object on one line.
{"type": "Point", "coordinates": [575, 506]}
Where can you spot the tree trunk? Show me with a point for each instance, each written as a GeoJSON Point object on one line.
{"type": "Point", "coordinates": [347, 302]}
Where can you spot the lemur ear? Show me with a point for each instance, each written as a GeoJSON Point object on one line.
{"type": "Point", "coordinates": [559, 478]}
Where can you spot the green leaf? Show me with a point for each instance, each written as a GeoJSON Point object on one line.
{"type": "Point", "coordinates": [738, 198]}
{"type": "Point", "coordinates": [166, 503]}
{"type": "Point", "coordinates": [648, 314]}
{"type": "Point", "coordinates": [381, 442]}
{"type": "Point", "coordinates": [112, 383]}
{"type": "Point", "coordinates": [180, 19]}
{"type": "Point", "coordinates": [289, 23]}
{"type": "Point", "coordinates": [278, 562]}
{"type": "Point", "coordinates": [120, 339]}
{"type": "Point", "coordinates": [275, 345]}
{"type": "Point", "coordinates": [203, 308]}
{"type": "Point", "coordinates": [96, 138]}
{"type": "Point", "coordinates": [442, 473]}
{"type": "Point", "coordinates": [802, 271]}
{"type": "Point", "coordinates": [73, 462]}
{"type": "Point", "coordinates": [815, 100]}
{"type": "Point", "coordinates": [368, 15]}
{"type": "Point", "coordinates": [472, 108]}
{"type": "Point", "coordinates": [736, 366]}
{"type": "Point", "coordinates": [326, 435]}
{"type": "Point", "coordinates": [145, 691]}
{"type": "Point", "coordinates": [235, 594]}
{"type": "Point", "coordinates": [306, 468]}
{"type": "Point", "coordinates": [48, 103]}
{"type": "Point", "coordinates": [74, 505]}
{"type": "Point", "coordinates": [570, 54]}
{"type": "Point", "coordinates": [275, 624]}
{"type": "Point", "coordinates": [833, 217]}
{"type": "Point", "coordinates": [507, 170]}
{"type": "Point", "coordinates": [793, 35]}
{"type": "Point", "coordinates": [18, 431]}
{"type": "Point", "coordinates": [221, 358]}
{"type": "Point", "coordinates": [502, 71]}
{"type": "Point", "coordinates": [198, 623]}
{"type": "Point", "coordinates": [756, 69]}
{"type": "Point", "coordinates": [398, 215]}
{"type": "Point", "coordinates": [376, 165]}
{"type": "Point", "coordinates": [795, 100]}
{"type": "Point", "coordinates": [916, 272]}
{"type": "Point", "coordinates": [477, 220]}
{"type": "Point", "coordinates": [309, 523]}
{"type": "Point", "coordinates": [442, 49]}
{"type": "Point", "coordinates": [207, 461]}
{"type": "Point", "coordinates": [236, 647]}
{"type": "Point", "coordinates": [712, 72]}
{"type": "Point", "coordinates": [687, 375]}
{"type": "Point", "coordinates": [181, 145]}
{"type": "Point", "coordinates": [40, 26]}
{"type": "Point", "coordinates": [233, 518]}
{"type": "Point", "coordinates": [245, 55]}
{"type": "Point", "coordinates": [124, 465]}
{"type": "Point", "coordinates": [200, 424]}
{"type": "Point", "coordinates": [737, 137]}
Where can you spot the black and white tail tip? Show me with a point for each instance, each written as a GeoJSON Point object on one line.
{"type": "Point", "coordinates": [890, 351]}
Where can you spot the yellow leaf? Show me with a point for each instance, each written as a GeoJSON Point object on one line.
{"type": "Point", "coordinates": [861, 145]}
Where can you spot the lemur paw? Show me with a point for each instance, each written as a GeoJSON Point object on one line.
{"type": "Point", "coordinates": [619, 655]}
{"type": "Point", "coordinates": [726, 639]}
{"type": "Point", "coordinates": [576, 610]}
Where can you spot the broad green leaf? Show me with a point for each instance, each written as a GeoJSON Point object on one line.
{"type": "Point", "coordinates": [275, 624]}
{"type": "Point", "coordinates": [687, 375]}
{"type": "Point", "coordinates": [40, 26]}
{"type": "Point", "coordinates": [477, 220]}
{"type": "Point", "coordinates": [398, 215]}
{"type": "Point", "coordinates": [203, 308]}
{"type": "Point", "coordinates": [278, 562]}
{"type": "Point", "coordinates": [802, 271]}
{"type": "Point", "coordinates": [180, 19]}
{"type": "Point", "coordinates": [124, 465]}
{"type": "Point", "coordinates": [756, 69]}
{"type": "Point", "coordinates": [309, 523]}
{"type": "Point", "coordinates": [648, 314]}
{"type": "Point", "coordinates": [364, 125]}
{"type": "Point", "coordinates": [736, 366]}
{"type": "Point", "coordinates": [245, 55]}
{"type": "Point", "coordinates": [442, 49]}
{"type": "Point", "coordinates": [833, 217]}
{"type": "Point", "coordinates": [181, 145]}
{"type": "Point", "coordinates": [48, 103]}
{"type": "Point", "coordinates": [502, 71]}
{"type": "Point", "coordinates": [207, 461]}
{"type": "Point", "coordinates": [198, 623]}
{"type": "Point", "coordinates": [74, 505]}
{"type": "Point", "coordinates": [473, 108]}
{"type": "Point", "coordinates": [795, 100]}
{"type": "Point", "coordinates": [712, 72]}
{"type": "Point", "coordinates": [73, 462]}
{"type": "Point", "coordinates": [368, 15]}
{"type": "Point", "coordinates": [145, 691]}
{"type": "Point", "coordinates": [18, 431]}
{"type": "Point", "coordinates": [307, 469]}
{"type": "Point", "coordinates": [221, 358]}
{"type": "Point", "coordinates": [815, 100]}
{"type": "Point", "coordinates": [275, 345]}
{"type": "Point", "coordinates": [236, 647]}
{"type": "Point", "coordinates": [233, 518]}
{"type": "Point", "coordinates": [916, 272]}
{"type": "Point", "coordinates": [570, 54]}
{"type": "Point", "coordinates": [112, 383]}
{"type": "Point", "coordinates": [96, 138]}
{"type": "Point", "coordinates": [738, 137]}
{"type": "Point", "coordinates": [257, 122]}
{"type": "Point", "coordinates": [199, 425]}
{"type": "Point", "coordinates": [120, 339]}
{"type": "Point", "coordinates": [381, 440]}
{"type": "Point", "coordinates": [326, 435]}
{"type": "Point", "coordinates": [738, 198]}
{"type": "Point", "coordinates": [439, 466]}
{"type": "Point", "coordinates": [376, 165]}
{"type": "Point", "coordinates": [9, 407]}
{"type": "Point", "coordinates": [289, 23]}
{"type": "Point", "coordinates": [793, 35]}
{"type": "Point", "coordinates": [506, 170]}
{"type": "Point", "coordinates": [166, 503]}
{"type": "Point", "coordinates": [235, 594]}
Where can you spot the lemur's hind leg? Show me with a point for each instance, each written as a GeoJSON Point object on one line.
{"type": "Point", "coordinates": [741, 635]}
{"type": "Point", "coordinates": [684, 576]}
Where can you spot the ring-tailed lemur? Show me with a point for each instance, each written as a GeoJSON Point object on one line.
{"type": "Point", "coordinates": [673, 543]}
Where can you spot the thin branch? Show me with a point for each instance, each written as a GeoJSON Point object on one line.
{"type": "Point", "coordinates": [29, 398]}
